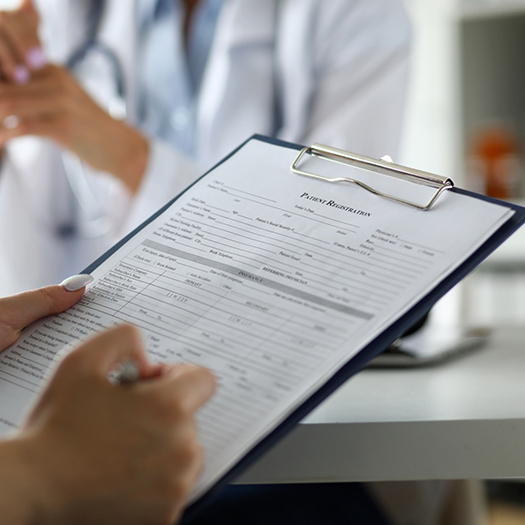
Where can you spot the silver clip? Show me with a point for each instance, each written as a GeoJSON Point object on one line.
{"type": "Point", "coordinates": [378, 166]}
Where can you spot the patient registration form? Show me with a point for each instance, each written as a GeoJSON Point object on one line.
{"type": "Point", "coordinates": [270, 279]}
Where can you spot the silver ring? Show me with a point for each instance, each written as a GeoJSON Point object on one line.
{"type": "Point", "coordinates": [11, 122]}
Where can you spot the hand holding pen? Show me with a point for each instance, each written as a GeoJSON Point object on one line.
{"type": "Point", "coordinates": [92, 451]}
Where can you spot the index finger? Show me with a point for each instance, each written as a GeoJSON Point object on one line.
{"type": "Point", "coordinates": [34, 55]}
{"type": "Point", "coordinates": [100, 354]}
{"type": "Point", "coordinates": [190, 386]}
{"type": "Point", "coordinates": [23, 41]}
{"type": "Point", "coordinates": [19, 36]}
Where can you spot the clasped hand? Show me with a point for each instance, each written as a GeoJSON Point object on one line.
{"type": "Point", "coordinates": [41, 99]}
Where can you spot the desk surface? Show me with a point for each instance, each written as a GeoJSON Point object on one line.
{"type": "Point", "coordinates": [464, 419]}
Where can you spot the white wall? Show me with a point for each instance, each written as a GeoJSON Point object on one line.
{"type": "Point", "coordinates": [431, 135]}
{"type": "Point", "coordinates": [434, 137]}
{"type": "Point", "coordinates": [432, 131]}
{"type": "Point", "coordinates": [9, 4]}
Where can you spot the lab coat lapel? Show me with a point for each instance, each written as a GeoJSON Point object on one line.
{"type": "Point", "coordinates": [237, 87]}
{"type": "Point", "coordinates": [294, 65]}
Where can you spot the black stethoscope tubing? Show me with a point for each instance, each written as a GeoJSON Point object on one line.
{"type": "Point", "coordinates": [96, 224]}
{"type": "Point", "coordinates": [92, 43]}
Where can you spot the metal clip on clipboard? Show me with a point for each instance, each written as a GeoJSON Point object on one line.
{"type": "Point", "coordinates": [378, 166]}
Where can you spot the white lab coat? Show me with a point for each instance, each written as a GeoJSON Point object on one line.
{"type": "Point", "coordinates": [341, 69]}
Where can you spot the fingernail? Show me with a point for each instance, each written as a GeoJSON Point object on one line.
{"type": "Point", "coordinates": [21, 75]}
{"type": "Point", "coordinates": [76, 282]}
{"type": "Point", "coordinates": [35, 58]}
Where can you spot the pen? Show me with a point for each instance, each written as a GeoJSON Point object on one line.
{"type": "Point", "coordinates": [127, 373]}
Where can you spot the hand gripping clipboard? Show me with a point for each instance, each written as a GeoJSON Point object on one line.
{"type": "Point", "coordinates": [394, 330]}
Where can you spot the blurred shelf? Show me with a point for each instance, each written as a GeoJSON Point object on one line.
{"type": "Point", "coordinates": [501, 8]}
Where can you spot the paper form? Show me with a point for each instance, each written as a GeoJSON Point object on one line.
{"type": "Point", "coordinates": [272, 280]}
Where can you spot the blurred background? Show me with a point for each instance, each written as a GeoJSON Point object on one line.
{"type": "Point", "coordinates": [466, 120]}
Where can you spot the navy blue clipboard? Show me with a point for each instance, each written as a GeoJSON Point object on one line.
{"type": "Point", "coordinates": [359, 361]}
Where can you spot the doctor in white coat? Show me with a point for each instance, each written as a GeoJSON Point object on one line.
{"type": "Point", "coordinates": [74, 180]}
{"type": "Point", "coordinates": [75, 176]}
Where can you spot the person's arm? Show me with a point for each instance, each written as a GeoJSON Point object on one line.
{"type": "Point", "coordinates": [53, 105]}
{"type": "Point", "coordinates": [167, 173]}
{"type": "Point", "coordinates": [95, 452]}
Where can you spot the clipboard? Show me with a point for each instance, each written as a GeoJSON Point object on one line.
{"type": "Point", "coordinates": [386, 337]}
{"type": "Point", "coordinates": [395, 330]}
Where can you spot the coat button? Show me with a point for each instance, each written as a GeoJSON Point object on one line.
{"type": "Point", "coordinates": [180, 119]}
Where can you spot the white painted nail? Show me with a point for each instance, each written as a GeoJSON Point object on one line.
{"type": "Point", "coordinates": [35, 58]}
{"type": "Point", "coordinates": [22, 75]}
{"type": "Point", "coordinates": [76, 282]}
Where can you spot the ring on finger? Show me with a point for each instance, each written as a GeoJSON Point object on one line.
{"type": "Point", "coordinates": [11, 122]}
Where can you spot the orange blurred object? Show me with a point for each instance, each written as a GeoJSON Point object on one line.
{"type": "Point", "coordinates": [495, 150]}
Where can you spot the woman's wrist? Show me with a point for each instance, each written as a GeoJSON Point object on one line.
{"type": "Point", "coordinates": [131, 152]}
{"type": "Point", "coordinates": [18, 485]}
{"type": "Point", "coordinates": [30, 481]}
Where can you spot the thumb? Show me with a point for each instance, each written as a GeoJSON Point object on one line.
{"type": "Point", "coordinates": [18, 311]}
{"type": "Point", "coordinates": [27, 4]}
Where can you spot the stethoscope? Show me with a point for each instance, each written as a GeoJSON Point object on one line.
{"type": "Point", "coordinates": [95, 222]}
